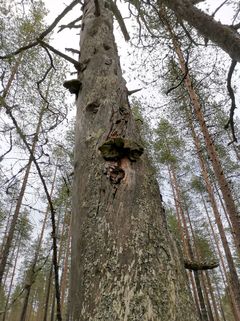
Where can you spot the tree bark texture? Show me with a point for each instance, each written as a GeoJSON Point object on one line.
{"type": "Point", "coordinates": [224, 36]}
{"type": "Point", "coordinates": [125, 265]}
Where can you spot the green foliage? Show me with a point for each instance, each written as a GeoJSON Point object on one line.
{"type": "Point", "coordinates": [197, 184]}
{"type": "Point", "coordinates": [204, 248]}
{"type": "Point", "coordinates": [173, 224]}
{"type": "Point", "coordinates": [168, 143]}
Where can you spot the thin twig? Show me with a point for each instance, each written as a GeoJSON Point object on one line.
{"type": "Point", "coordinates": [9, 150]}
{"type": "Point", "coordinates": [45, 75]}
{"type": "Point", "coordinates": [218, 8]}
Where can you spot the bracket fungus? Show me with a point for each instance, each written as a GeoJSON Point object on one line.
{"type": "Point", "coordinates": [116, 148]}
{"type": "Point", "coordinates": [73, 85]}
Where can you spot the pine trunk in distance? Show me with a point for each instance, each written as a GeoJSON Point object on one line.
{"type": "Point", "coordinates": [125, 265]}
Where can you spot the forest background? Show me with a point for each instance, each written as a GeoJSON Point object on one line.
{"type": "Point", "coordinates": [171, 63]}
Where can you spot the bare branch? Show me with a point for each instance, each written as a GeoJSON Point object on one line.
{"type": "Point", "coordinates": [51, 207]}
{"type": "Point", "coordinates": [70, 25]}
{"type": "Point", "coordinates": [75, 51]}
{"type": "Point", "coordinates": [45, 75]}
{"type": "Point", "coordinates": [118, 16]}
{"type": "Point", "coordinates": [44, 33]}
{"type": "Point", "coordinates": [219, 7]}
{"type": "Point", "coordinates": [9, 150]}
{"type": "Point", "coordinates": [233, 105]}
{"type": "Point", "coordinates": [59, 53]}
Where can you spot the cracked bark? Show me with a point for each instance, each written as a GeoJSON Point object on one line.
{"type": "Point", "coordinates": [125, 265]}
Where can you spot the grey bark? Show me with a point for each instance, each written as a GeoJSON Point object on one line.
{"type": "Point", "coordinates": [224, 36]}
{"type": "Point", "coordinates": [125, 265]}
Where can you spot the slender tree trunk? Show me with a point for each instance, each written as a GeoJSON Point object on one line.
{"type": "Point", "coordinates": [7, 227]}
{"type": "Point", "coordinates": [232, 270]}
{"type": "Point", "coordinates": [213, 298]}
{"type": "Point", "coordinates": [124, 267]}
{"type": "Point", "coordinates": [31, 275]}
{"type": "Point", "coordinates": [216, 164]}
{"type": "Point", "coordinates": [12, 75]}
{"type": "Point", "coordinates": [220, 303]}
{"type": "Point", "coordinates": [206, 295]}
{"type": "Point", "coordinates": [18, 242]}
{"type": "Point", "coordinates": [187, 242]}
{"type": "Point", "coordinates": [11, 231]}
{"type": "Point", "coordinates": [222, 267]}
{"type": "Point", "coordinates": [48, 287]}
{"type": "Point", "coordinates": [65, 267]}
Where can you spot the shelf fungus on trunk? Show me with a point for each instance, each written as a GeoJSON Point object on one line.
{"type": "Point", "coordinates": [73, 85]}
{"type": "Point", "coordinates": [117, 148]}
{"type": "Point", "coordinates": [200, 265]}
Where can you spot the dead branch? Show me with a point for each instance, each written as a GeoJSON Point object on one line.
{"type": "Point", "coordinates": [9, 150]}
{"type": "Point", "coordinates": [233, 105]}
{"type": "Point", "coordinates": [118, 16]}
{"type": "Point", "coordinates": [59, 53]}
{"type": "Point", "coordinates": [131, 92]}
{"type": "Point", "coordinates": [51, 207]}
{"type": "Point", "coordinates": [70, 25]}
{"type": "Point", "coordinates": [45, 75]}
{"type": "Point", "coordinates": [44, 33]}
{"type": "Point", "coordinates": [74, 51]}
{"type": "Point", "coordinates": [219, 7]}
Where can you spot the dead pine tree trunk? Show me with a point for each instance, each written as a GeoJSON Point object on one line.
{"type": "Point", "coordinates": [125, 265]}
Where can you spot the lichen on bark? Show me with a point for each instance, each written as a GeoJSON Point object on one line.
{"type": "Point", "coordinates": [125, 265]}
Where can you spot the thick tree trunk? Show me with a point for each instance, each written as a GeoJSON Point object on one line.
{"type": "Point", "coordinates": [124, 264]}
